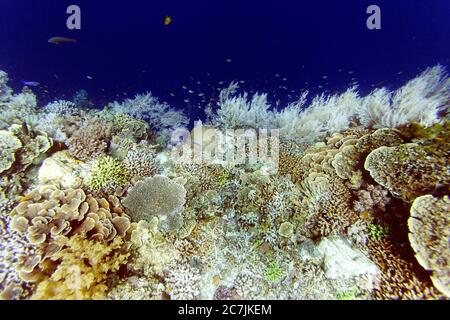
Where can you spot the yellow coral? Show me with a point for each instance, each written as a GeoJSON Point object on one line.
{"type": "Point", "coordinates": [83, 270]}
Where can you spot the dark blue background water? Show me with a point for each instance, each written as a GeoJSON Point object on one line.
{"type": "Point", "coordinates": [280, 47]}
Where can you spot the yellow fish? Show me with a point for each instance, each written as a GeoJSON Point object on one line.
{"type": "Point", "coordinates": [167, 20]}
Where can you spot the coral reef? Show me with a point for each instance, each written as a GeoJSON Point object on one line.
{"type": "Point", "coordinates": [108, 204]}
{"type": "Point", "coordinates": [48, 214]}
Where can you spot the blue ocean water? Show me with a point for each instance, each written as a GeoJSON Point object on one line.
{"type": "Point", "coordinates": [277, 46]}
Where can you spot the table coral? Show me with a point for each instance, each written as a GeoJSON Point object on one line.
{"type": "Point", "coordinates": [409, 170]}
{"type": "Point", "coordinates": [157, 196]}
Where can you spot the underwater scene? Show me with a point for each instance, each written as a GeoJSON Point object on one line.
{"type": "Point", "coordinates": [224, 150]}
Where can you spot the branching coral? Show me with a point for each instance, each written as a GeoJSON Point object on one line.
{"type": "Point", "coordinates": [273, 273]}
{"type": "Point", "coordinates": [141, 161]}
{"type": "Point", "coordinates": [183, 283]}
{"type": "Point", "coordinates": [107, 174]}
{"type": "Point", "coordinates": [399, 279]}
{"type": "Point", "coordinates": [157, 196]}
{"type": "Point", "coordinates": [160, 116]}
{"type": "Point", "coordinates": [18, 108]}
{"type": "Point", "coordinates": [91, 139]}
{"type": "Point", "coordinates": [52, 117]}
{"type": "Point", "coordinates": [429, 227]}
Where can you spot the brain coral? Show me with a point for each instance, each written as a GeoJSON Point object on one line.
{"type": "Point", "coordinates": [429, 226]}
{"type": "Point", "coordinates": [157, 196]}
{"type": "Point", "coordinates": [409, 170]}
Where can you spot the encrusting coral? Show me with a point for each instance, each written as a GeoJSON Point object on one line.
{"type": "Point", "coordinates": [430, 238]}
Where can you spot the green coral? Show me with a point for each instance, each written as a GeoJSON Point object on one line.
{"type": "Point", "coordinates": [378, 231]}
{"type": "Point", "coordinates": [273, 272]}
{"type": "Point", "coordinates": [224, 177]}
{"type": "Point", "coordinates": [351, 294]}
{"type": "Point", "coordinates": [107, 174]}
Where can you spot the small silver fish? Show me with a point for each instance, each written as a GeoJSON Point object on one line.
{"type": "Point", "coordinates": [31, 83]}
